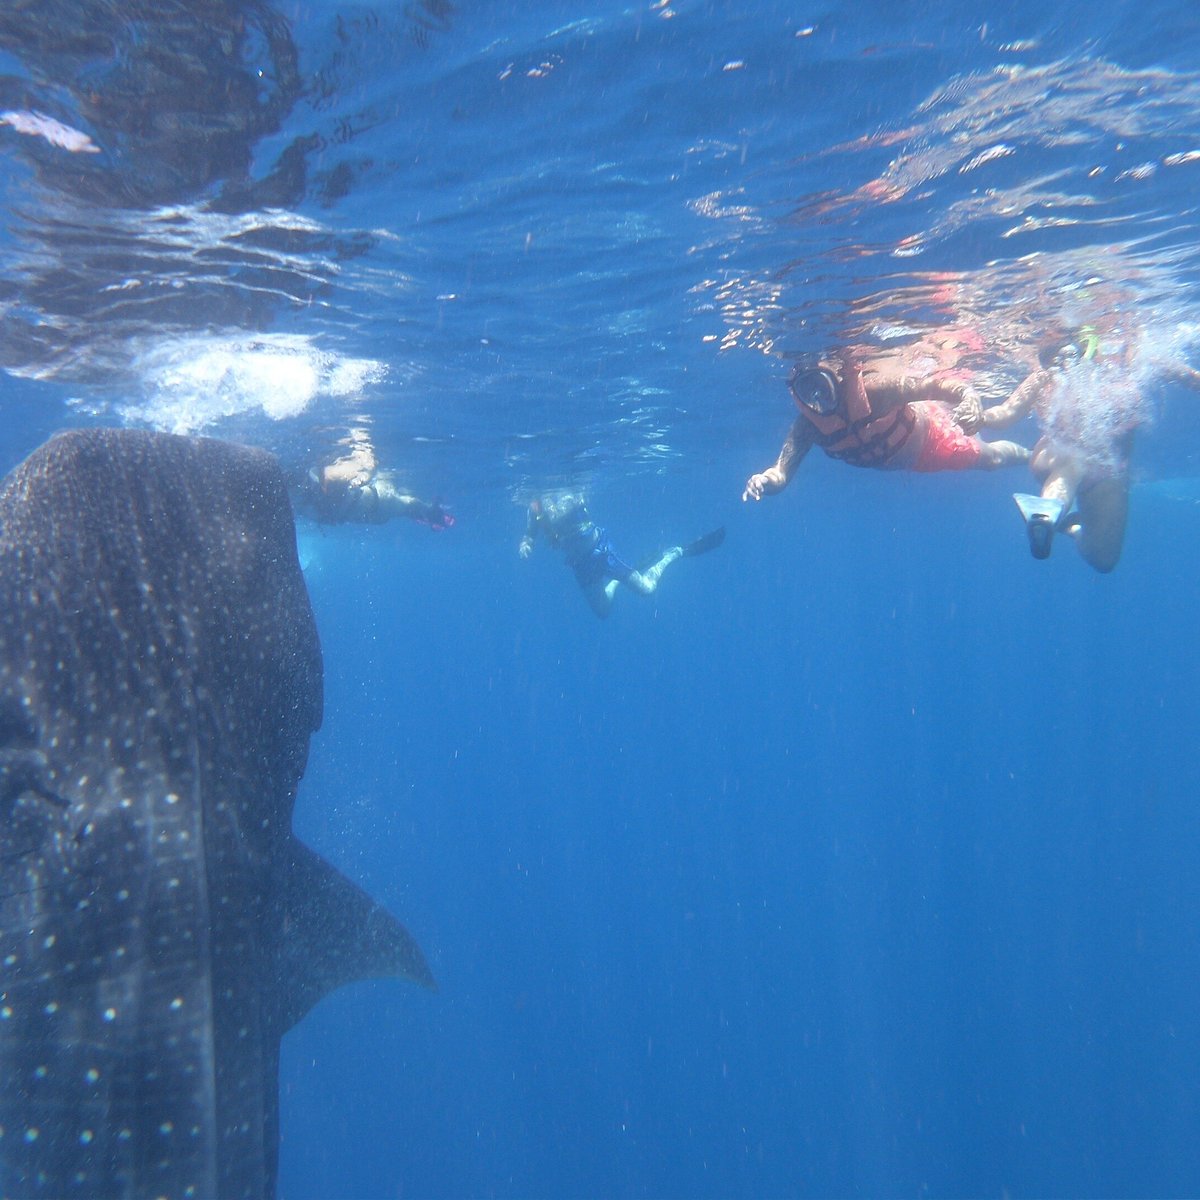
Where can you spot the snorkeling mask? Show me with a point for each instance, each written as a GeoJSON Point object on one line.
{"type": "Point", "coordinates": [815, 388]}
{"type": "Point", "coordinates": [1082, 346]}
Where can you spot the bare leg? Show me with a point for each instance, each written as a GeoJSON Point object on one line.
{"type": "Point", "coordinates": [600, 597]}
{"type": "Point", "coordinates": [644, 582]}
{"type": "Point", "coordinates": [1060, 474]}
{"type": "Point", "coordinates": [1100, 532]}
{"type": "Point", "coordinates": [993, 455]}
{"type": "Point", "coordinates": [932, 418]}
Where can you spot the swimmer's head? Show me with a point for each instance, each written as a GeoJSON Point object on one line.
{"type": "Point", "coordinates": [1077, 346]}
{"type": "Point", "coordinates": [814, 387]}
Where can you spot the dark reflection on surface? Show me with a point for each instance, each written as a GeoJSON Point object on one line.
{"type": "Point", "coordinates": [176, 95]}
{"type": "Point", "coordinates": [140, 122]}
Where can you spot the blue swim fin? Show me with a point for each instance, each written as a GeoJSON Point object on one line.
{"type": "Point", "coordinates": [1042, 517]}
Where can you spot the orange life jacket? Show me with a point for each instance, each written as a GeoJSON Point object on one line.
{"type": "Point", "coordinates": [856, 434]}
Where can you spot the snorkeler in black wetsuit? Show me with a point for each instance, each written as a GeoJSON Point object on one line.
{"type": "Point", "coordinates": [322, 495]}
{"type": "Point", "coordinates": [565, 523]}
{"type": "Point", "coordinates": [369, 504]}
{"type": "Point", "coordinates": [349, 489]}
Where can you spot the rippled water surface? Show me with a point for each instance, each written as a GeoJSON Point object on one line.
{"type": "Point", "coordinates": [572, 236]}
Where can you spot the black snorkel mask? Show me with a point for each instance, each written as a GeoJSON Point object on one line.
{"type": "Point", "coordinates": [815, 388]}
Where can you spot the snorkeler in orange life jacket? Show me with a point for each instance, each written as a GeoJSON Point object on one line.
{"type": "Point", "coordinates": [846, 424]}
{"type": "Point", "coordinates": [879, 414]}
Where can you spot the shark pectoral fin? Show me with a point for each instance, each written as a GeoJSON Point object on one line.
{"type": "Point", "coordinates": [334, 934]}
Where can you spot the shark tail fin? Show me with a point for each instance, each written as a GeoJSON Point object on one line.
{"type": "Point", "coordinates": [334, 934]}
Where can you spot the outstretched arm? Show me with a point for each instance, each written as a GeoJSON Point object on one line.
{"type": "Point", "coordinates": [776, 478]}
{"type": "Point", "coordinates": [1180, 372]}
{"type": "Point", "coordinates": [1018, 405]}
{"type": "Point", "coordinates": [394, 503]}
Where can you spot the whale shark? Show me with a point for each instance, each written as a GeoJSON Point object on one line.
{"type": "Point", "coordinates": [161, 927]}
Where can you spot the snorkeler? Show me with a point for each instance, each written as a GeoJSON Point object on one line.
{"type": "Point", "coordinates": [881, 414]}
{"type": "Point", "coordinates": [565, 523]}
{"type": "Point", "coordinates": [1089, 402]}
{"type": "Point", "coordinates": [350, 490]}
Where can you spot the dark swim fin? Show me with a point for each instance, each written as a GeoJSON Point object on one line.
{"type": "Point", "coordinates": [702, 545]}
{"type": "Point", "coordinates": [1042, 518]}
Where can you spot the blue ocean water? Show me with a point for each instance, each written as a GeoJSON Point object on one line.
{"type": "Point", "coordinates": [860, 859]}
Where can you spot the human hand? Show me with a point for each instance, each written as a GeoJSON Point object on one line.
{"type": "Point", "coordinates": [439, 518]}
{"type": "Point", "coordinates": [525, 549]}
{"type": "Point", "coordinates": [763, 484]}
{"type": "Point", "coordinates": [968, 414]}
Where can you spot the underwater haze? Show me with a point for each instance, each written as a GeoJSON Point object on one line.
{"type": "Point", "coordinates": [861, 858]}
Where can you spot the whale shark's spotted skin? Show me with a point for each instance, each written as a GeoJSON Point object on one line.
{"type": "Point", "coordinates": [160, 926]}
